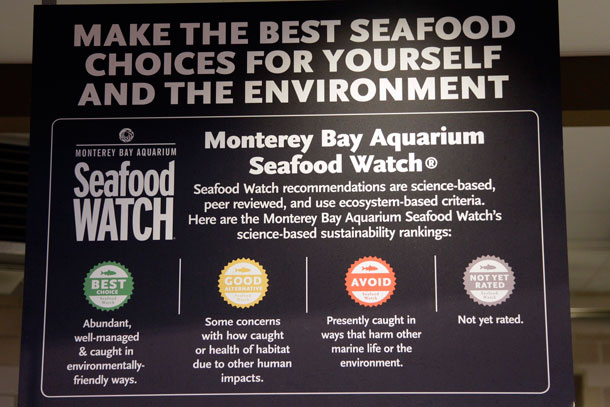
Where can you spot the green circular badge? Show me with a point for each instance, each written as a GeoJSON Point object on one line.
{"type": "Point", "coordinates": [108, 286]}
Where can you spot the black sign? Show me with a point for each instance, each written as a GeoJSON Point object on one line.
{"type": "Point", "coordinates": [296, 204]}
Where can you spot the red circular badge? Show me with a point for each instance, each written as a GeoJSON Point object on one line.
{"type": "Point", "coordinates": [370, 281]}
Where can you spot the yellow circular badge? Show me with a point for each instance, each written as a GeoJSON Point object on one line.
{"type": "Point", "coordinates": [243, 283]}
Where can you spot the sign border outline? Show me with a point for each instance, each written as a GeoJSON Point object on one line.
{"type": "Point", "coordinates": [296, 393]}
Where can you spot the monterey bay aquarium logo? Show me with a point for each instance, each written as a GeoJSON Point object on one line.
{"type": "Point", "coordinates": [123, 203]}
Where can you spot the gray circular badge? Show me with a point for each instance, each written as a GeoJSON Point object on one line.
{"type": "Point", "coordinates": [489, 280]}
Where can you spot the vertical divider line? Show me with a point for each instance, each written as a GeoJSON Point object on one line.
{"type": "Point", "coordinates": [179, 283]}
{"type": "Point", "coordinates": [306, 285]}
{"type": "Point", "coordinates": [435, 287]}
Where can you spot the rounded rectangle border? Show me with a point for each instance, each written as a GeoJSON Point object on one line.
{"type": "Point", "coordinates": [299, 393]}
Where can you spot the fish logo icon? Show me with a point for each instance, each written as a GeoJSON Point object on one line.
{"type": "Point", "coordinates": [108, 273]}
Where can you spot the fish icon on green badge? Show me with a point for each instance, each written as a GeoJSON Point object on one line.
{"type": "Point", "coordinates": [108, 273]}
